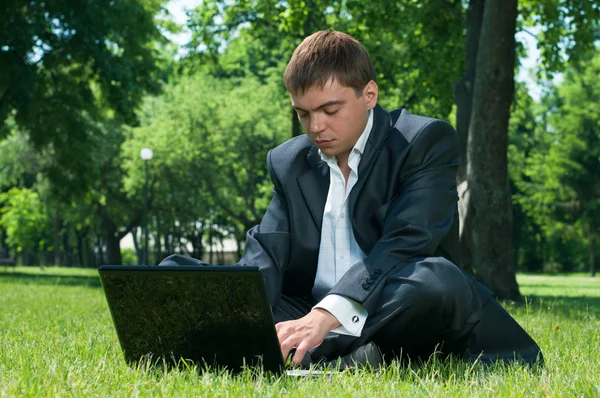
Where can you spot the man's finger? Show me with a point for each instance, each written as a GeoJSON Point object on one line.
{"type": "Point", "coordinates": [301, 351]}
{"type": "Point", "coordinates": [283, 331]}
{"type": "Point", "coordinates": [287, 346]}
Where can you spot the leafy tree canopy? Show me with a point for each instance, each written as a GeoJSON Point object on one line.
{"type": "Point", "coordinates": [568, 30]}
{"type": "Point", "coordinates": [66, 64]}
{"type": "Point", "coordinates": [556, 170]}
{"type": "Point", "coordinates": [24, 219]}
{"type": "Point", "coordinates": [210, 138]}
{"type": "Point", "coordinates": [416, 50]}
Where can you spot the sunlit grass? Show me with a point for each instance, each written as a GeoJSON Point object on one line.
{"type": "Point", "coordinates": [57, 339]}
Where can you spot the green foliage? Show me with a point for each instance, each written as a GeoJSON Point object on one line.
{"type": "Point", "coordinates": [210, 138]}
{"type": "Point", "coordinates": [20, 164]}
{"type": "Point", "coordinates": [24, 219]}
{"type": "Point", "coordinates": [74, 218]}
{"type": "Point", "coordinates": [128, 257]}
{"type": "Point", "coordinates": [405, 40]}
{"type": "Point", "coordinates": [576, 148]}
{"type": "Point", "coordinates": [555, 160]}
{"type": "Point", "coordinates": [65, 64]}
{"type": "Point", "coordinates": [568, 30]}
{"type": "Point", "coordinates": [418, 51]}
{"type": "Point", "coordinates": [73, 73]}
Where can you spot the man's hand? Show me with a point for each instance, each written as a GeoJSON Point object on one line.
{"type": "Point", "coordinates": [305, 333]}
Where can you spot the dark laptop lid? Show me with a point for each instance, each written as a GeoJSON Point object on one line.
{"type": "Point", "coordinates": [215, 315]}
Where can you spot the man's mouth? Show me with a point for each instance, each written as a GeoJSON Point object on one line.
{"type": "Point", "coordinates": [323, 142]}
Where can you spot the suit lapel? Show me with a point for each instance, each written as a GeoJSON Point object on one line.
{"type": "Point", "coordinates": [382, 124]}
{"type": "Point", "coordinates": [314, 185]}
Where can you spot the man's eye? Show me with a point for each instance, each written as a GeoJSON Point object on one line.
{"type": "Point", "coordinates": [302, 115]}
{"type": "Point", "coordinates": [331, 112]}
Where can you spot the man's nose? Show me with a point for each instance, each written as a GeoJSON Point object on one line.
{"type": "Point", "coordinates": [317, 124]}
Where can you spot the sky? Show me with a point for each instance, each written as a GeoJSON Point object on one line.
{"type": "Point", "coordinates": [177, 9]}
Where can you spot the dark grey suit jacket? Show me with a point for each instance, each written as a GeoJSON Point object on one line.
{"type": "Point", "coordinates": [402, 207]}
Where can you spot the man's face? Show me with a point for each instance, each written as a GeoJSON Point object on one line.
{"type": "Point", "coordinates": [333, 116]}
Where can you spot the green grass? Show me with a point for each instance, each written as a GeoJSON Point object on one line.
{"type": "Point", "coordinates": [57, 339]}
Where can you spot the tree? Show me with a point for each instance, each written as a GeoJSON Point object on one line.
{"type": "Point", "coordinates": [563, 191]}
{"type": "Point", "coordinates": [102, 211]}
{"type": "Point", "coordinates": [579, 121]}
{"type": "Point", "coordinates": [24, 219]}
{"type": "Point", "coordinates": [210, 138]}
{"type": "Point", "coordinates": [525, 131]}
{"type": "Point", "coordinates": [62, 63]}
{"type": "Point", "coordinates": [489, 200]}
{"type": "Point", "coordinates": [567, 33]}
{"type": "Point", "coordinates": [415, 60]}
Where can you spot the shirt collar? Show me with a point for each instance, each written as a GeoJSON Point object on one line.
{"type": "Point", "coordinates": [361, 143]}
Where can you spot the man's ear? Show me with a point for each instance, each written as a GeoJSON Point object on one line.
{"type": "Point", "coordinates": [371, 92]}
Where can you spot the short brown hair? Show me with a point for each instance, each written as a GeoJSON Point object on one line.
{"type": "Point", "coordinates": [325, 55]}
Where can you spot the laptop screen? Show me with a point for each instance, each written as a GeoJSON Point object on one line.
{"type": "Point", "coordinates": [216, 316]}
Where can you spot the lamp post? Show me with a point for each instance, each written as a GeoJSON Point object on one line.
{"type": "Point", "coordinates": [146, 155]}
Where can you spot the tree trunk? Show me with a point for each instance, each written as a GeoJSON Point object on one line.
{"type": "Point", "coordinates": [169, 242]}
{"type": "Point", "coordinates": [100, 249]}
{"type": "Point", "coordinates": [67, 253]}
{"type": "Point", "coordinates": [56, 225]}
{"type": "Point", "coordinates": [158, 253]}
{"type": "Point", "coordinates": [136, 245]}
{"type": "Point", "coordinates": [195, 238]}
{"type": "Point", "coordinates": [83, 248]}
{"type": "Point", "coordinates": [239, 241]}
{"type": "Point", "coordinates": [463, 92]}
{"type": "Point", "coordinates": [210, 243]}
{"type": "Point", "coordinates": [592, 251]}
{"type": "Point", "coordinates": [79, 238]}
{"type": "Point", "coordinates": [113, 243]}
{"type": "Point", "coordinates": [489, 207]}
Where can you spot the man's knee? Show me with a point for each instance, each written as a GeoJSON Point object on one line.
{"type": "Point", "coordinates": [444, 286]}
{"type": "Point", "coordinates": [446, 279]}
{"type": "Point", "coordinates": [178, 259]}
{"type": "Point", "coordinates": [427, 303]}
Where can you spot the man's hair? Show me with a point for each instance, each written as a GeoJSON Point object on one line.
{"type": "Point", "coordinates": [325, 55]}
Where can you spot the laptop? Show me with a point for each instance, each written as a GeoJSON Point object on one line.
{"type": "Point", "coordinates": [217, 316]}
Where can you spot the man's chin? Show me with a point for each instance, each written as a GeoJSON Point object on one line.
{"type": "Point", "coordinates": [329, 152]}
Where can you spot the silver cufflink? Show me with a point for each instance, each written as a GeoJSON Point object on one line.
{"type": "Point", "coordinates": [355, 319]}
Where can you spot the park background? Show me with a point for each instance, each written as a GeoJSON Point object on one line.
{"type": "Point", "coordinates": [86, 85]}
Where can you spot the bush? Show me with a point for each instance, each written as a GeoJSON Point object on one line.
{"type": "Point", "coordinates": [128, 257]}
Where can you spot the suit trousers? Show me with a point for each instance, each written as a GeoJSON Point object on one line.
{"type": "Point", "coordinates": [425, 307]}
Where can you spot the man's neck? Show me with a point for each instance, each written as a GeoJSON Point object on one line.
{"type": "Point", "coordinates": [342, 161]}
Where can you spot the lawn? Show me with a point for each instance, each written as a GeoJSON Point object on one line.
{"type": "Point", "coordinates": [57, 339]}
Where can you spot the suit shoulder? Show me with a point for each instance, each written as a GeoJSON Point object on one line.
{"type": "Point", "coordinates": [411, 126]}
{"type": "Point", "coordinates": [292, 148]}
{"type": "Point", "coordinates": [284, 157]}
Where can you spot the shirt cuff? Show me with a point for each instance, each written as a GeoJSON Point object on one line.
{"type": "Point", "coordinates": [348, 312]}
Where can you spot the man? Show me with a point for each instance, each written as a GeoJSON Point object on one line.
{"type": "Point", "coordinates": [359, 244]}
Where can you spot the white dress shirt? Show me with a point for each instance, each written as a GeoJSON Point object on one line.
{"type": "Point", "coordinates": [338, 250]}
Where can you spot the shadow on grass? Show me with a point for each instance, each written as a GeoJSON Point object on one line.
{"type": "Point", "coordinates": [577, 307]}
{"type": "Point", "coordinates": [52, 280]}
{"type": "Point", "coordinates": [591, 287]}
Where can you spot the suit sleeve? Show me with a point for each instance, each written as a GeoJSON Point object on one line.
{"type": "Point", "coordinates": [268, 244]}
{"type": "Point", "coordinates": [416, 220]}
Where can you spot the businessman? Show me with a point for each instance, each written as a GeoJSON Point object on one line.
{"type": "Point", "coordinates": [359, 244]}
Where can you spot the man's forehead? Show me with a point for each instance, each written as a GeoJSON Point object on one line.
{"type": "Point", "coordinates": [317, 96]}
{"type": "Point", "coordinates": [329, 85]}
